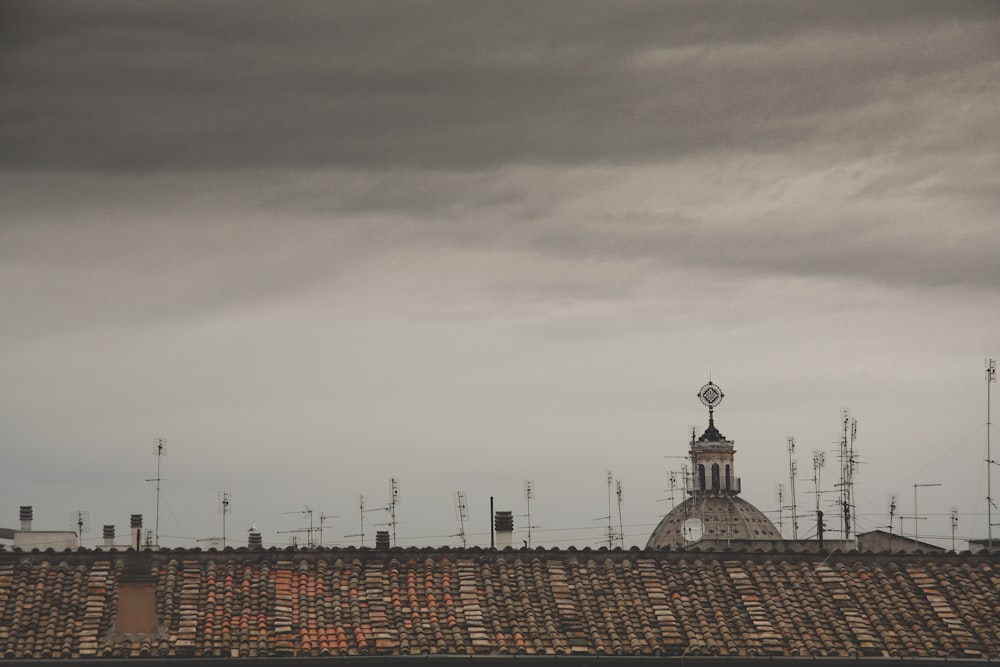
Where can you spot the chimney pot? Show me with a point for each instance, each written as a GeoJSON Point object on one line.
{"type": "Point", "coordinates": [109, 535]}
{"type": "Point", "coordinates": [136, 525]}
{"type": "Point", "coordinates": [382, 540]}
{"type": "Point", "coordinates": [27, 514]}
{"type": "Point", "coordinates": [504, 524]}
{"type": "Point", "coordinates": [255, 542]}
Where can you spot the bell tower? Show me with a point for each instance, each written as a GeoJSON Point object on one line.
{"type": "Point", "coordinates": [714, 472]}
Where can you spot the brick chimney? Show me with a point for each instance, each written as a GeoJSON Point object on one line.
{"type": "Point", "coordinates": [26, 516]}
{"type": "Point", "coordinates": [109, 535]}
{"type": "Point", "coordinates": [504, 525]}
{"type": "Point", "coordinates": [136, 530]}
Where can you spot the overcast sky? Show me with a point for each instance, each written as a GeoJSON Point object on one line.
{"type": "Point", "coordinates": [466, 244]}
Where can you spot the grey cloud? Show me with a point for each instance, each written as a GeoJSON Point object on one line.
{"type": "Point", "coordinates": [119, 87]}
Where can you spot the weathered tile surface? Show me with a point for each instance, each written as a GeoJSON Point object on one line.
{"type": "Point", "coordinates": [353, 602]}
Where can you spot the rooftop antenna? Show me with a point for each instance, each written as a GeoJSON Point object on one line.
{"type": "Point", "coordinates": [323, 518]}
{"type": "Point", "coordinates": [621, 526]}
{"type": "Point", "coordinates": [991, 377]}
{"type": "Point", "coordinates": [852, 467]}
{"type": "Point", "coordinates": [819, 460]}
{"type": "Point", "coordinates": [393, 500]}
{"type": "Point", "coordinates": [916, 515]}
{"type": "Point", "coordinates": [846, 453]}
{"type": "Point", "coordinates": [81, 519]}
{"type": "Point", "coordinates": [529, 492]}
{"type": "Point", "coordinates": [309, 530]}
{"type": "Point", "coordinates": [792, 471]}
{"type": "Point", "coordinates": [954, 525]}
{"type": "Point", "coordinates": [361, 513]}
{"type": "Point", "coordinates": [779, 489]}
{"type": "Point", "coordinates": [611, 530]}
{"type": "Point", "coordinates": [462, 514]}
{"type": "Point", "coordinates": [893, 499]}
{"type": "Point", "coordinates": [673, 485]}
{"type": "Point", "coordinates": [224, 499]}
{"type": "Point", "coordinates": [390, 508]}
{"type": "Point", "coordinates": [160, 443]}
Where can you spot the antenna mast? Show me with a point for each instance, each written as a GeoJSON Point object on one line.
{"type": "Point", "coordinates": [792, 470]}
{"type": "Point", "coordinates": [621, 526]}
{"type": "Point", "coordinates": [461, 513]}
{"type": "Point", "coordinates": [361, 513]}
{"type": "Point", "coordinates": [611, 530]}
{"type": "Point", "coordinates": [394, 490]}
{"type": "Point", "coordinates": [991, 377]}
{"type": "Point", "coordinates": [224, 498]}
{"type": "Point", "coordinates": [819, 460]}
{"type": "Point", "coordinates": [779, 488]}
{"type": "Point", "coordinates": [529, 491]}
{"type": "Point", "coordinates": [159, 442]}
{"type": "Point", "coordinates": [81, 519]}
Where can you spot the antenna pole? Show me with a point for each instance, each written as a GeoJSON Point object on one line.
{"type": "Point", "coordinates": [792, 470]}
{"type": "Point", "coordinates": [394, 490]}
{"type": "Point", "coordinates": [611, 530]}
{"type": "Point", "coordinates": [621, 526]}
{"type": "Point", "coordinates": [224, 498]}
{"type": "Point", "coordinates": [528, 492]}
{"type": "Point", "coordinates": [159, 442]}
{"type": "Point", "coordinates": [819, 460]}
{"type": "Point", "coordinates": [954, 525]}
{"type": "Point", "coordinates": [991, 377]}
{"type": "Point", "coordinates": [916, 515]}
{"type": "Point", "coordinates": [462, 510]}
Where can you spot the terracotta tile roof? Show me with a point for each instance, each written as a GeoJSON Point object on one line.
{"type": "Point", "coordinates": [352, 602]}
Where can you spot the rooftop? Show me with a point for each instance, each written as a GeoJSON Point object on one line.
{"type": "Point", "coordinates": [352, 602]}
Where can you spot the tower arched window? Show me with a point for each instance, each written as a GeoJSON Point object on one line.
{"type": "Point", "coordinates": [715, 476]}
{"type": "Point", "coordinates": [729, 479]}
{"type": "Point", "coordinates": [701, 476]}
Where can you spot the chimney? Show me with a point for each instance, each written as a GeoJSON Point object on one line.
{"type": "Point", "coordinates": [136, 526]}
{"type": "Point", "coordinates": [504, 525]}
{"type": "Point", "coordinates": [382, 540]}
{"type": "Point", "coordinates": [109, 535]}
{"type": "Point", "coordinates": [26, 516]}
{"type": "Point", "coordinates": [255, 542]}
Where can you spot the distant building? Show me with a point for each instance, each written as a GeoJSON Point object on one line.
{"type": "Point", "coordinates": [27, 539]}
{"type": "Point", "coordinates": [713, 511]}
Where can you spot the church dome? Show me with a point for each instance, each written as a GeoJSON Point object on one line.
{"type": "Point", "coordinates": [712, 517]}
{"type": "Point", "coordinates": [714, 510]}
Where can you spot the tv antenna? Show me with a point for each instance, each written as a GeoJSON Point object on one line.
{"type": "Point", "coordinates": [390, 508]}
{"type": "Point", "coordinates": [779, 490]}
{"type": "Point", "coordinates": [81, 520]}
{"type": "Point", "coordinates": [954, 525]}
{"type": "Point", "coordinates": [893, 499]}
{"type": "Point", "coordinates": [621, 526]}
{"type": "Point", "coordinates": [991, 377]}
{"type": "Point", "coordinates": [361, 514]}
{"type": "Point", "coordinates": [309, 540]}
{"type": "Point", "coordinates": [529, 493]}
{"type": "Point", "coordinates": [916, 515]}
{"type": "Point", "coordinates": [793, 469]}
{"type": "Point", "coordinates": [323, 518]}
{"type": "Point", "coordinates": [848, 464]}
{"type": "Point", "coordinates": [819, 460]}
{"type": "Point", "coordinates": [393, 501]}
{"type": "Point", "coordinates": [160, 444]}
{"type": "Point", "coordinates": [224, 508]}
{"type": "Point", "coordinates": [462, 514]}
